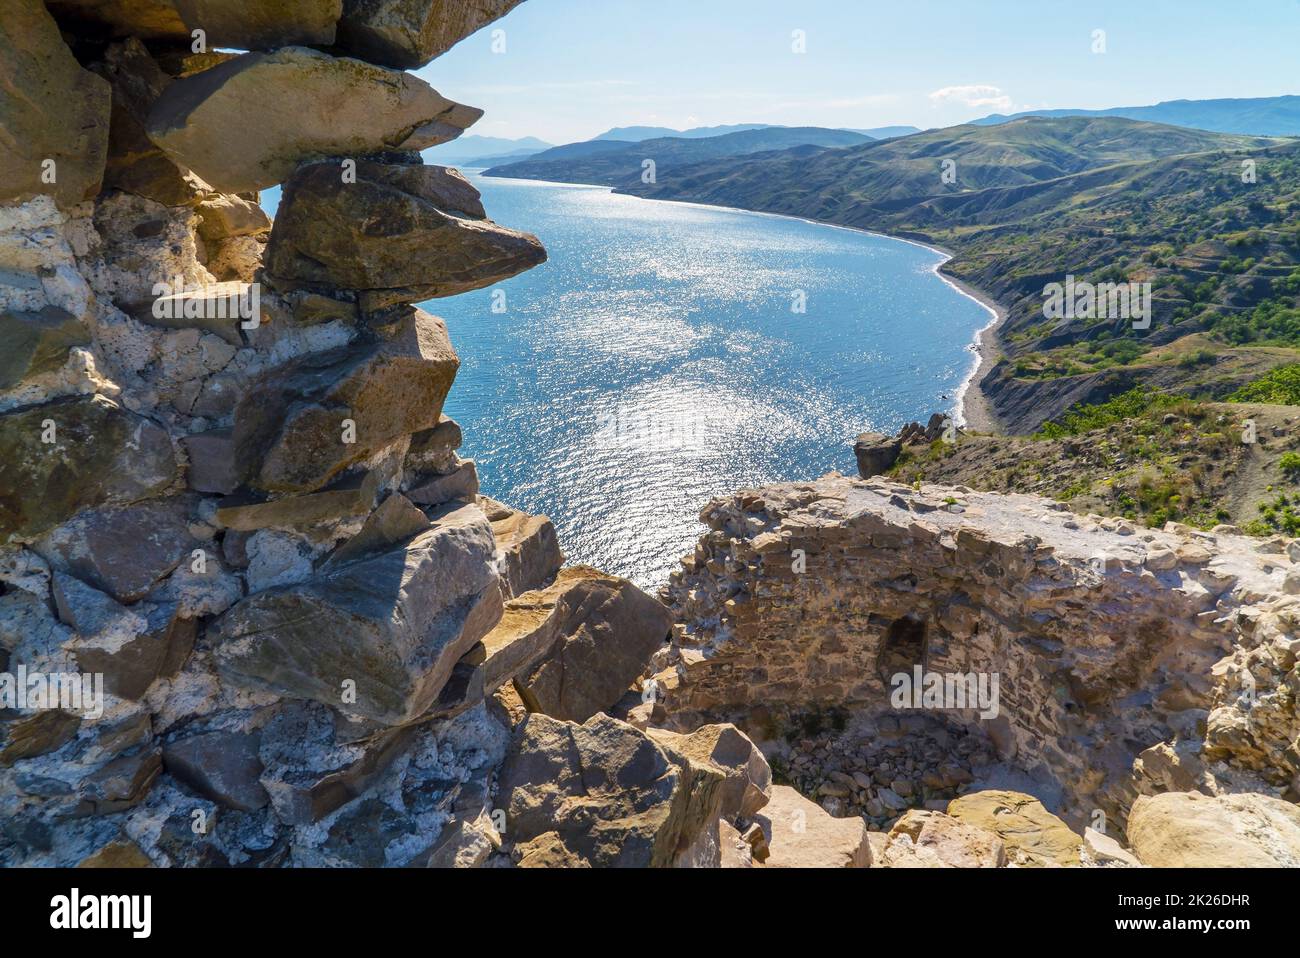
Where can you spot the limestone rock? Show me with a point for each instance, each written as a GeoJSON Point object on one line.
{"type": "Point", "coordinates": [291, 429]}
{"type": "Point", "coordinates": [1032, 834]}
{"type": "Point", "coordinates": [308, 104]}
{"type": "Point", "coordinates": [600, 794]}
{"type": "Point", "coordinates": [392, 626]}
{"type": "Point", "coordinates": [401, 232]}
{"type": "Point", "coordinates": [225, 216]}
{"type": "Point", "coordinates": [531, 549]}
{"type": "Point", "coordinates": [433, 450]}
{"type": "Point", "coordinates": [53, 112]}
{"type": "Point", "coordinates": [747, 777]}
{"type": "Point", "coordinates": [608, 628]}
{"type": "Point", "coordinates": [37, 343]}
{"type": "Point", "coordinates": [1104, 850]}
{"type": "Point", "coordinates": [397, 520]}
{"type": "Point", "coordinates": [409, 33]}
{"type": "Point", "coordinates": [100, 454]}
{"type": "Point", "coordinates": [1191, 830]}
{"type": "Point", "coordinates": [930, 839]}
{"type": "Point", "coordinates": [801, 834]}
{"type": "Point", "coordinates": [876, 453]}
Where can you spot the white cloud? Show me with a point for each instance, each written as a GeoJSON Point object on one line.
{"type": "Point", "coordinates": [978, 95]}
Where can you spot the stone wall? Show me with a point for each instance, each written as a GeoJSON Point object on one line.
{"type": "Point", "coordinates": [1129, 661]}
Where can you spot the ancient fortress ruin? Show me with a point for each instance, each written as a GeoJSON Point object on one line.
{"type": "Point", "coordinates": [254, 610]}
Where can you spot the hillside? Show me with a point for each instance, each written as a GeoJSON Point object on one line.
{"type": "Point", "coordinates": [1038, 199]}
{"type": "Point", "coordinates": [617, 163]}
{"type": "Point", "coordinates": [1260, 116]}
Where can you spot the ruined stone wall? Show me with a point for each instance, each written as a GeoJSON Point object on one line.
{"type": "Point", "coordinates": [1129, 661]}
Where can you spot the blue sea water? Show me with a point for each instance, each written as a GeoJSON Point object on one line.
{"type": "Point", "coordinates": [657, 360]}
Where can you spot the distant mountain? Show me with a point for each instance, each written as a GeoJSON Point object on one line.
{"type": "Point", "coordinates": [635, 134]}
{"type": "Point", "coordinates": [615, 162]}
{"type": "Point", "coordinates": [1036, 199]}
{"type": "Point", "coordinates": [861, 184]}
{"type": "Point", "coordinates": [483, 162]}
{"type": "Point", "coordinates": [1259, 116]}
{"type": "Point", "coordinates": [886, 132]}
{"type": "Point", "coordinates": [471, 147]}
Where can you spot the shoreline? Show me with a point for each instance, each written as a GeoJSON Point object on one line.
{"type": "Point", "coordinates": [972, 408]}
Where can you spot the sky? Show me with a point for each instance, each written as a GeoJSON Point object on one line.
{"type": "Point", "coordinates": [567, 70]}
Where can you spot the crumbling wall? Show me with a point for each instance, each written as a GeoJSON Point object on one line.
{"type": "Point", "coordinates": [1128, 661]}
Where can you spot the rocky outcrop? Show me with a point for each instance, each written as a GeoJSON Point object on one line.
{"type": "Point", "coordinates": [54, 114]}
{"type": "Point", "coordinates": [1190, 830]}
{"type": "Point", "coordinates": [308, 105]}
{"type": "Point", "coordinates": [410, 33]}
{"type": "Point", "coordinates": [398, 233]}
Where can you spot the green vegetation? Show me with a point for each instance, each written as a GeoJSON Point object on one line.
{"type": "Point", "coordinates": [1080, 419]}
{"type": "Point", "coordinates": [1277, 516]}
{"type": "Point", "coordinates": [1281, 386]}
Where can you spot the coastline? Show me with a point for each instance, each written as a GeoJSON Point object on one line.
{"type": "Point", "coordinates": [973, 410]}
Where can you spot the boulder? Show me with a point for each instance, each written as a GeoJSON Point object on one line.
{"type": "Point", "coordinates": [397, 520]}
{"type": "Point", "coordinates": [390, 627]}
{"type": "Point", "coordinates": [799, 833]}
{"type": "Point", "coordinates": [100, 454]}
{"type": "Point", "coordinates": [606, 631]}
{"type": "Point", "coordinates": [747, 778]}
{"type": "Point", "coordinates": [530, 547]}
{"type": "Point", "coordinates": [290, 429]}
{"type": "Point", "coordinates": [1191, 830]}
{"type": "Point", "coordinates": [238, 24]}
{"type": "Point", "coordinates": [37, 342]}
{"type": "Point", "coordinates": [601, 794]}
{"type": "Point", "coordinates": [221, 766]}
{"type": "Point", "coordinates": [459, 485]}
{"type": "Point", "coordinates": [54, 115]}
{"type": "Point", "coordinates": [226, 216]}
{"type": "Point", "coordinates": [135, 164]}
{"type": "Point", "coordinates": [409, 33]}
{"type": "Point", "coordinates": [1032, 835]}
{"type": "Point", "coordinates": [212, 461]}
{"type": "Point", "coordinates": [876, 453]}
{"type": "Point", "coordinates": [400, 233]}
{"type": "Point", "coordinates": [123, 550]}
{"type": "Point", "coordinates": [931, 839]}
{"type": "Point", "coordinates": [434, 450]}
{"type": "Point", "coordinates": [308, 105]}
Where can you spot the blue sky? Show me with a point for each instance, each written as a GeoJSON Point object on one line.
{"type": "Point", "coordinates": [574, 68]}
